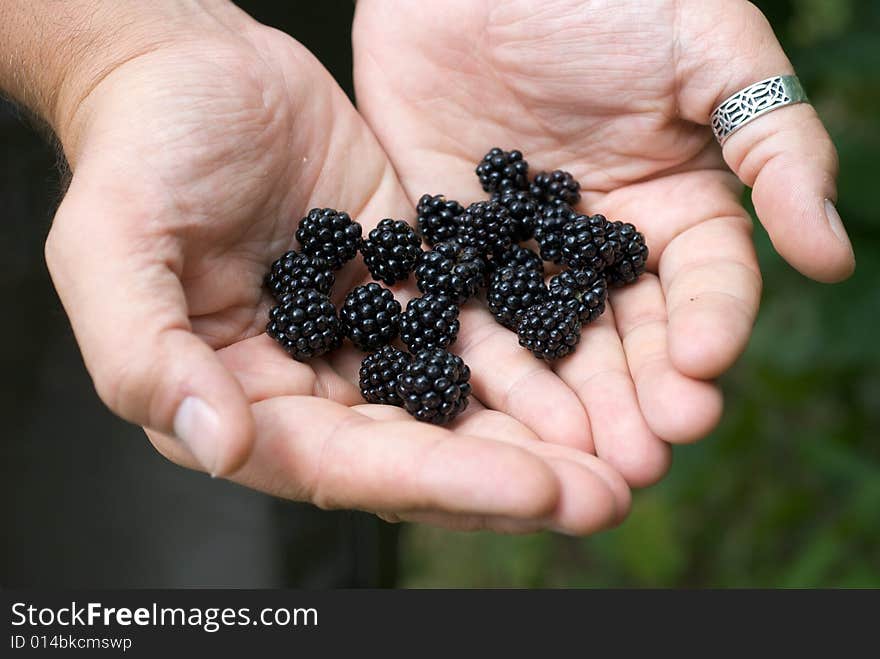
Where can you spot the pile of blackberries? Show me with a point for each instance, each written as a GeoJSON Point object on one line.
{"type": "Point", "coordinates": [472, 249]}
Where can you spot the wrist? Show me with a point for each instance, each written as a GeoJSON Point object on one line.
{"type": "Point", "coordinates": [59, 52]}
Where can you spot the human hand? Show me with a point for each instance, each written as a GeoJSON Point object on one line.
{"type": "Point", "coordinates": [192, 161]}
{"type": "Point", "coordinates": [618, 93]}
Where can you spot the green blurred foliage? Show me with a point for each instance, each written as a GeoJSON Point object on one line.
{"type": "Point", "coordinates": [787, 491]}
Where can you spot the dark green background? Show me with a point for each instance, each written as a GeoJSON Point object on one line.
{"type": "Point", "coordinates": [787, 491]}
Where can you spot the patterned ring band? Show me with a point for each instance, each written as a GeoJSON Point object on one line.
{"type": "Point", "coordinates": [751, 102]}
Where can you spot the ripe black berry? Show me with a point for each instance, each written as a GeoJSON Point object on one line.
{"type": "Point", "coordinates": [370, 316]}
{"type": "Point", "coordinates": [486, 226]}
{"type": "Point", "coordinates": [556, 186]}
{"type": "Point", "coordinates": [330, 234]}
{"type": "Point", "coordinates": [434, 387]}
{"type": "Point", "coordinates": [523, 210]}
{"type": "Point", "coordinates": [378, 375]}
{"type": "Point", "coordinates": [549, 232]}
{"type": "Point", "coordinates": [631, 254]}
{"type": "Point", "coordinates": [501, 170]}
{"type": "Point", "coordinates": [293, 271]}
{"type": "Point", "coordinates": [305, 324]}
{"type": "Point", "coordinates": [452, 269]}
{"type": "Point", "coordinates": [437, 218]}
{"type": "Point", "coordinates": [584, 243]}
{"type": "Point", "coordinates": [550, 330]}
{"type": "Point", "coordinates": [512, 291]}
{"type": "Point", "coordinates": [517, 255]}
{"type": "Point", "coordinates": [583, 291]}
{"type": "Point", "coordinates": [429, 322]}
{"type": "Point", "coordinates": [390, 251]}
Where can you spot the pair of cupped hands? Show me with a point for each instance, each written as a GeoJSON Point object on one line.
{"type": "Point", "coordinates": [196, 151]}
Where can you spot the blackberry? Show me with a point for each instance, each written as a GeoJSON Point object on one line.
{"type": "Point", "coordinates": [523, 210]}
{"type": "Point", "coordinates": [437, 218]}
{"type": "Point", "coordinates": [583, 291]}
{"type": "Point", "coordinates": [585, 243]}
{"type": "Point", "coordinates": [378, 375]}
{"type": "Point", "coordinates": [550, 330]}
{"type": "Point", "coordinates": [486, 226]}
{"type": "Point", "coordinates": [390, 251]}
{"type": "Point", "coordinates": [555, 186]}
{"type": "Point", "coordinates": [453, 269]}
{"type": "Point", "coordinates": [549, 232]}
{"type": "Point", "coordinates": [512, 291]}
{"type": "Point", "coordinates": [330, 234]}
{"type": "Point", "coordinates": [305, 324]}
{"type": "Point", "coordinates": [502, 170]}
{"type": "Point", "coordinates": [434, 387]}
{"type": "Point", "coordinates": [370, 316]}
{"type": "Point", "coordinates": [293, 271]}
{"type": "Point", "coordinates": [429, 322]}
{"type": "Point", "coordinates": [631, 254]}
{"type": "Point", "coordinates": [516, 255]}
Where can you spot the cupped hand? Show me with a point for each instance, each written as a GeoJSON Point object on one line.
{"type": "Point", "coordinates": [192, 162]}
{"type": "Point", "coordinates": [618, 93]}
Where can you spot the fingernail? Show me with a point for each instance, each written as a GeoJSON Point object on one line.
{"type": "Point", "coordinates": [836, 223]}
{"type": "Point", "coordinates": [197, 425]}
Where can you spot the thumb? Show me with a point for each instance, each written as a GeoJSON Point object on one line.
{"type": "Point", "coordinates": [786, 155]}
{"type": "Point", "coordinates": [128, 311]}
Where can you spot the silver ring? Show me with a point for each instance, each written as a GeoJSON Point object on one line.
{"type": "Point", "coordinates": [751, 102]}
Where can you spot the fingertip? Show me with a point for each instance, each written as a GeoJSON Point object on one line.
{"type": "Point", "coordinates": [619, 485]}
{"type": "Point", "coordinates": [804, 227]}
{"type": "Point", "coordinates": [643, 468]}
{"type": "Point", "coordinates": [678, 423]}
{"type": "Point", "coordinates": [528, 487]}
{"type": "Point", "coordinates": [846, 264]}
{"type": "Point", "coordinates": [205, 405]}
{"type": "Point", "coordinates": [235, 441]}
{"type": "Point", "coordinates": [791, 163]}
{"type": "Point", "coordinates": [496, 479]}
{"type": "Point", "coordinates": [218, 431]}
{"type": "Point", "coordinates": [538, 499]}
{"type": "Point", "coordinates": [587, 504]}
{"type": "Point", "coordinates": [708, 335]}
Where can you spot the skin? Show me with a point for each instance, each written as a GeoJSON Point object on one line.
{"type": "Point", "coordinates": [198, 138]}
{"type": "Point", "coordinates": [619, 94]}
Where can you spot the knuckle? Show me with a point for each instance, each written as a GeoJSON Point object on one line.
{"type": "Point", "coordinates": [121, 386]}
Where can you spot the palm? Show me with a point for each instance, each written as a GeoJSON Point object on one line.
{"type": "Point", "coordinates": [218, 170]}
{"type": "Point", "coordinates": [597, 94]}
{"type": "Point", "coordinates": [572, 91]}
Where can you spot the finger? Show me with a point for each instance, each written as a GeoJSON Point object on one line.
{"type": "Point", "coordinates": [311, 449]}
{"type": "Point", "coordinates": [122, 293]}
{"type": "Point", "coordinates": [702, 248]}
{"type": "Point", "coordinates": [599, 374]}
{"type": "Point", "coordinates": [592, 495]}
{"type": "Point", "coordinates": [712, 283]}
{"type": "Point", "coordinates": [343, 459]}
{"type": "Point", "coordinates": [511, 380]}
{"type": "Point", "coordinates": [481, 422]}
{"type": "Point", "coordinates": [503, 478]}
{"type": "Point", "coordinates": [786, 155]}
{"type": "Point", "coordinates": [477, 421]}
{"type": "Point", "coordinates": [582, 509]}
{"type": "Point", "coordinates": [677, 408]}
